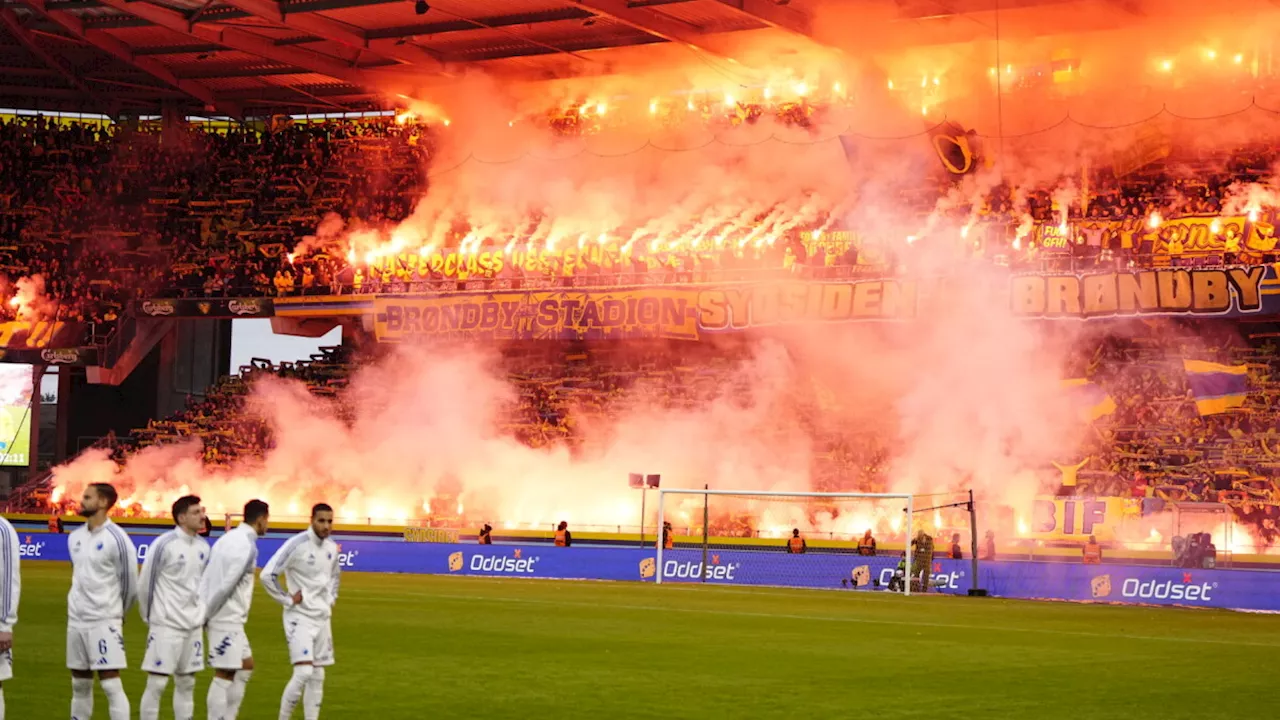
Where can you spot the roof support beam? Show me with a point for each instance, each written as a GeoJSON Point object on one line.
{"type": "Point", "coordinates": [480, 23]}
{"type": "Point", "coordinates": [73, 95]}
{"type": "Point", "coordinates": [14, 25]}
{"type": "Point", "coordinates": [310, 96]}
{"type": "Point", "coordinates": [26, 72]}
{"type": "Point", "coordinates": [201, 72]}
{"type": "Point", "coordinates": [654, 3]}
{"type": "Point", "coordinates": [774, 15]}
{"type": "Point", "coordinates": [254, 44]}
{"type": "Point", "coordinates": [74, 5]}
{"type": "Point", "coordinates": [656, 24]}
{"type": "Point", "coordinates": [338, 32]}
{"type": "Point", "coordinates": [535, 50]}
{"type": "Point", "coordinates": [193, 49]}
{"type": "Point", "coordinates": [307, 6]}
{"type": "Point", "coordinates": [195, 16]}
{"type": "Point", "coordinates": [296, 7]}
{"type": "Point", "coordinates": [327, 94]}
{"type": "Point", "coordinates": [112, 46]}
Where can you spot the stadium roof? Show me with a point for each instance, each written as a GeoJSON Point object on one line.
{"type": "Point", "coordinates": [237, 57]}
{"type": "Point", "coordinates": [252, 56]}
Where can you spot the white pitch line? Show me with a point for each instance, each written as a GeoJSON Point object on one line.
{"type": "Point", "coordinates": [860, 595]}
{"type": "Point", "coordinates": [401, 595]}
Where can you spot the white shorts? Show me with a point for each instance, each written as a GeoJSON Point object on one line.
{"type": "Point", "coordinates": [174, 652]}
{"type": "Point", "coordinates": [309, 640]}
{"type": "Point", "coordinates": [228, 647]}
{"type": "Point", "coordinates": [6, 665]}
{"type": "Point", "coordinates": [96, 647]}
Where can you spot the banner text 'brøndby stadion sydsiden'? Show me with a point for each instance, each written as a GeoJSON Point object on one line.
{"type": "Point", "coordinates": [1194, 266]}
{"type": "Point", "coordinates": [1233, 589]}
{"type": "Point", "coordinates": [689, 311]}
{"type": "Point", "coordinates": [692, 311]}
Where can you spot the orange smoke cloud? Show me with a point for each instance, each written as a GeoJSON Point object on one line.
{"type": "Point", "coordinates": [960, 401]}
{"type": "Point", "coordinates": [27, 300]}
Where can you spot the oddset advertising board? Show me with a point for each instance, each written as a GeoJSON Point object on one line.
{"type": "Point", "coordinates": [1257, 590]}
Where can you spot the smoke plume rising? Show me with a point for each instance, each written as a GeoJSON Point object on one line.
{"type": "Point", "coordinates": [961, 400]}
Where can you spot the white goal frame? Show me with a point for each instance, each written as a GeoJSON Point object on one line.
{"type": "Point", "coordinates": [662, 506]}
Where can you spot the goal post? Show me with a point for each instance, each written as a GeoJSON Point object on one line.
{"type": "Point", "coordinates": [786, 539]}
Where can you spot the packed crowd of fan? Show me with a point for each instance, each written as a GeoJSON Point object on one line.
{"type": "Point", "coordinates": [565, 394]}
{"type": "Point", "coordinates": [226, 432]}
{"type": "Point", "coordinates": [1157, 445]}
{"type": "Point", "coordinates": [109, 215]}
{"type": "Point", "coordinates": [106, 216]}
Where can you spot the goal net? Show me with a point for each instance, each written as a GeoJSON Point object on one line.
{"type": "Point", "coordinates": [856, 541]}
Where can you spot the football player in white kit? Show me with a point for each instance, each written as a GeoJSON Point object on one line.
{"type": "Point", "coordinates": [10, 585]}
{"type": "Point", "coordinates": [227, 591]}
{"type": "Point", "coordinates": [104, 585]}
{"type": "Point", "coordinates": [169, 602]}
{"type": "Point", "coordinates": [309, 561]}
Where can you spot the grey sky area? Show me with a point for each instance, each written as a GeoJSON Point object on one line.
{"type": "Point", "coordinates": [249, 339]}
{"type": "Point", "coordinates": [254, 339]}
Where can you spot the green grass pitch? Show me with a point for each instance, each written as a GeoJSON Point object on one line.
{"type": "Point", "coordinates": [455, 647]}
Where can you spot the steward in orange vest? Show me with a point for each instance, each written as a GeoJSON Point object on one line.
{"type": "Point", "coordinates": [1092, 552]}
{"type": "Point", "coordinates": [796, 545]}
{"type": "Point", "coordinates": [867, 545]}
{"type": "Point", "coordinates": [563, 537]}
{"type": "Point", "coordinates": [668, 538]}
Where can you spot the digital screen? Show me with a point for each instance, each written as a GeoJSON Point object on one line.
{"type": "Point", "coordinates": [15, 414]}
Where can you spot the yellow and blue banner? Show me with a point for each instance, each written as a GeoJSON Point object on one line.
{"type": "Point", "coordinates": [1076, 518]}
{"type": "Point", "coordinates": [674, 311]}
{"type": "Point", "coordinates": [686, 310]}
{"type": "Point", "coordinates": [1217, 388]}
{"type": "Point", "coordinates": [1093, 401]}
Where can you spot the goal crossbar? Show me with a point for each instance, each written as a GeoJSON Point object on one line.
{"type": "Point", "coordinates": [781, 493]}
{"type": "Point", "coordinates": [908, 511]}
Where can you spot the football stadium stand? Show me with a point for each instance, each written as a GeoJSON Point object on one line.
{"type": "Point", "coordinates": [127, 223]}
{"type": "Point", "coordinates": [117, 216]}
